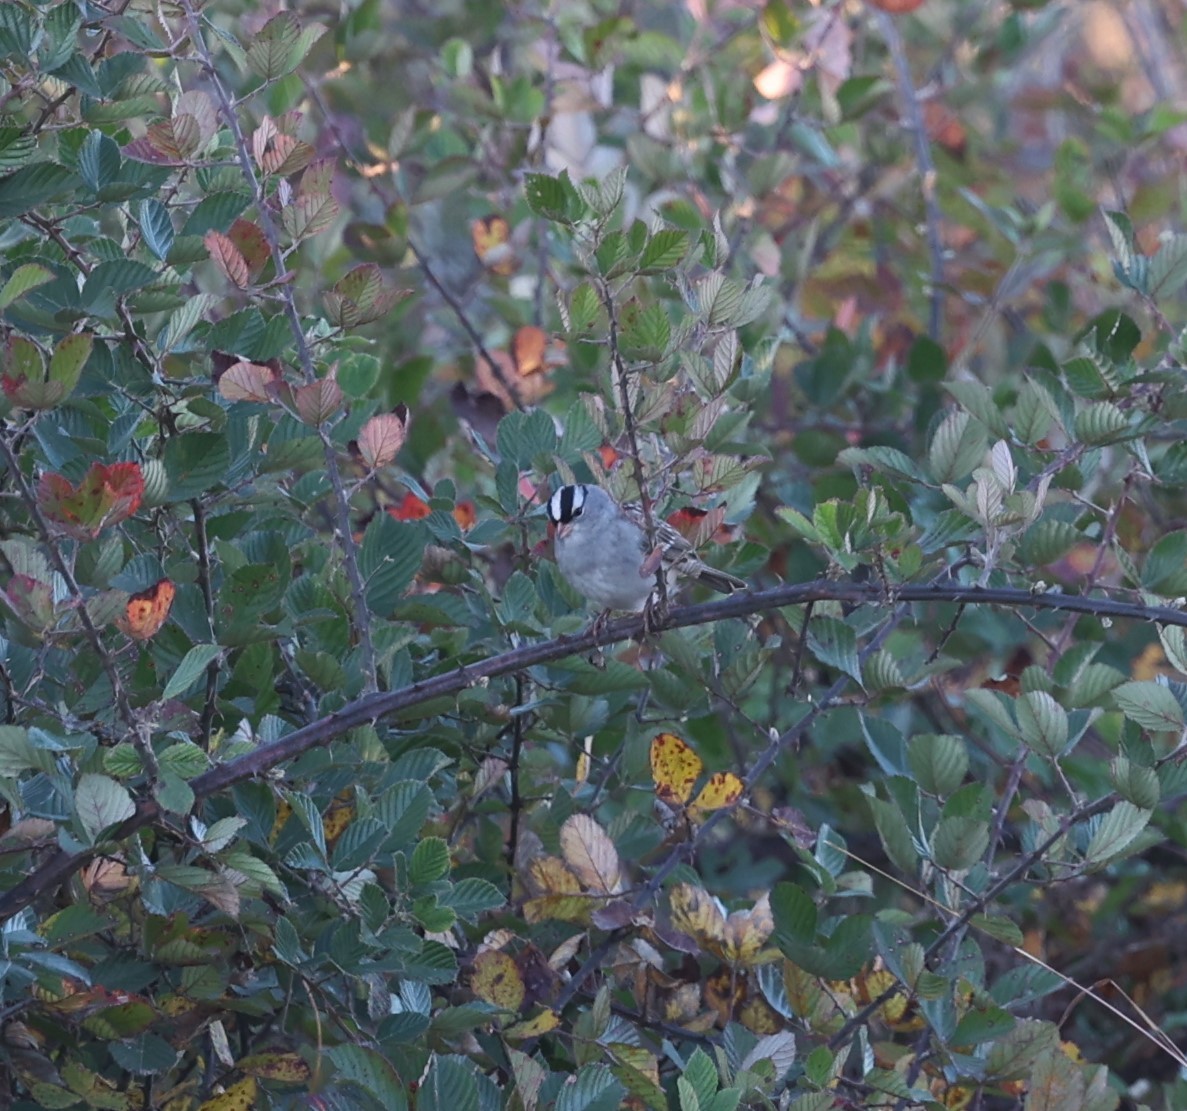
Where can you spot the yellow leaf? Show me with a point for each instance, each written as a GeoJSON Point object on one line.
{"type": "Point", "coordinates": [496, 980]}
{"type": "Point", "coordinates": [675, 768]}
{"type": "Point", "coordinates": [747, 931]}
{"type": "Point", "coordinates": [697, 913]}
{"type": "Point", "coordinates": [238, 1097]}
{"type": "Point", "coordinates": [534, 1027]}
{"type": "Point", "coordinates": [723, 789]}
{"type": "Point", "coordinates": [549, 875]}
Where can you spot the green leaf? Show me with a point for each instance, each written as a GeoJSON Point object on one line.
{"type": "Point", "coordinates": [939, 762]}
{"type": "Point", "coordinates": [98, 160]}
{"type": "Point", "coordinates": [145, 1054]}
{"type": "Point", "coordinates": [524, 438]}
{"type": "Point", "coordinates": [887, 459]}
{"type": "Point", "coordinates": [664, 250]}
{"type": "Point", "coordinates": [33, 186]}
{"type": "Point", "coordinates": [156, 228]}
{"type": "Point", "coordinates": [429, 862]}
{"type": "Point", "coordinates": [448, 1085]}
{"type": "Point", "coordinates": [958, 843]}
{"type": "Point", "coordinates": [1150, 704]}
{"type": "Point", "coordinates": [24, 279]}
{"type": "Point", "coordinates": [646, 332]}
{"type": "Point", "coordinates": [1165, 568]}
{"type": "Point", "coordinates": [1168, 268]}
{"type": "Point", "coordinates": [957, 447]}
{"type": "Point", "coordinates": [895, 834]}
{"type": "Point", "coordinates": [553, 198]}
{"type": "Point", "coordinates": [1115, 831]}
{"type": "Point", "coordinates": [69, 357]}
{"type": "Point", "coordinates": [471, 896]}
{"type": "Point", "coordinates": [593, 1084]}
{"type": "Point", "coordinates": [700, 1074]}
{"type": "Point", "coordinates": [190, 670]}
{"type": "Point", "coordinates": [1042, 723]}
{"type": "Point", "coordinates": [195, 463]}
{"type": "Point", "coordinates": [280, 46]}
{"type": "Point", "coordinates": [1033, 412]}
{"type": "Point", "coordinates": [834, 643]}
{"type": "Point", "coordinates": [369, 1071]}
{"type": "Point", "coordinates": [100, 802]}
{"type": "Point", "coordinates": [1134, 783]}
{"type": "Point", "coordinates": [1103, 423]}
{"type": "Point", "coordinates": [389, 558]}
{"type": "Point", "coordinates": [984, 1023]}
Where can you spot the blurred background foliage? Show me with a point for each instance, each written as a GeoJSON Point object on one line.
{"type": "Point", "coordinates": [880, 293]}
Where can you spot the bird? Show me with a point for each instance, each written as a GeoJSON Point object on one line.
{"type": "Point", "coordinates": [602, 549]}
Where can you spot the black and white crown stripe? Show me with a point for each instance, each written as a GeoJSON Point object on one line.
{"type": "Point", "coordinates": [566, 504]}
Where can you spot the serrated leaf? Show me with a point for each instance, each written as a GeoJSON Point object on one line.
{"type": "Point", "coordinates": [429, 861]}
{"type": "Point", "coordinates": [939, 761]}
{"type": "Point", "coordinates": [191, 669]}
{"type": "Point", "coordinates": [100, 802]}
{"type": "Point", "coordinates": [957, 447]}
{"type": "Point", "coordinates": [369, 1071]}
{"type": "Point", "coordinates": [1042, 723]}
{"type": "Point", "coordinates": [958, 843]}
{"type": "Point", "coordinates": [663, 251]}
{"type": "Point", "coordinates": [835, 643]}
{"type": "Point", "coordinates": [591, 854]}
{"type": "Point", "coordinates": [1115, 831]}
{"type": "Point", "coordinates": [1150, 704]}
{"type": "Point", "coordinates": [449, 1084]}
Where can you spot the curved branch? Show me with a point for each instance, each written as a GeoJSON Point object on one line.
{"type": "Point", "coordinates": [374, 706]}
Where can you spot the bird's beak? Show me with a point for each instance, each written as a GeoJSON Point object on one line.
{"type": "Point", "coordinates": [563, 530]}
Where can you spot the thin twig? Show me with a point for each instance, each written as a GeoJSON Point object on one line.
{"type": "Point", "coordinates": [362, 615]}
{"type": "Point", "coordinates": [422, 260]}
{"type": "Point", "coordinates": [927, 169]}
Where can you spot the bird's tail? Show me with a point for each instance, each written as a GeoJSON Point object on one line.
{"type": "Point", "coordinates": [721, 581]}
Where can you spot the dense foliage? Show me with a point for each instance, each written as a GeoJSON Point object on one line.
{"type": "Point", "coordinates": [318, 787]}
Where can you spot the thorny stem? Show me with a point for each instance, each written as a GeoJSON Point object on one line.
{"type": "Point", "coordinates": [370, 708]}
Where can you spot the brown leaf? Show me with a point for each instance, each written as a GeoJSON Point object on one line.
{"type": "Point", "coordinates": [320, 400]}
{"type": "Point", "coordinates": [381, 438]}
{"type": "Point", "coordinates": [227, 258]}
{"type": "Point", "coordinates": [247, 382]}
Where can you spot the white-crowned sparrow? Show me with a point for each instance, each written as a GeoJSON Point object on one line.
{"type": "Point", "coordinates": [602, 549]}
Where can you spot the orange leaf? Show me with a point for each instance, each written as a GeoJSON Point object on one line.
{"type": "Point", "coordinates": [108, 494]}
{"type": "Point", "coordinates": [411, 508]}
{"type": "Point", "coordinates": [147, 611]}
{"type": "Point", "coordinates": [491, 236]}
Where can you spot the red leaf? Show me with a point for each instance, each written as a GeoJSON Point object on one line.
{"type": "Point", "coordinates": [108, 494]}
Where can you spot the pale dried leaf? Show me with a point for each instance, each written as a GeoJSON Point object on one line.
{"type": "Point", "coordinates": [591, 854]}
